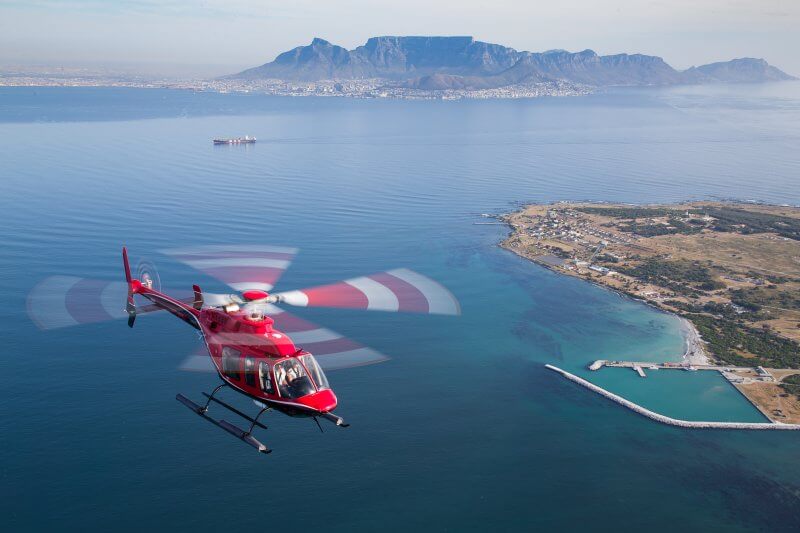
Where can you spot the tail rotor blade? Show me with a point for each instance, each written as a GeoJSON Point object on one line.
{"type": "Point", "coordinates": [62, 301]}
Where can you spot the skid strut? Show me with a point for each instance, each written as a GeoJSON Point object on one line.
{"type": "Point", "coordinates": [246, 436]}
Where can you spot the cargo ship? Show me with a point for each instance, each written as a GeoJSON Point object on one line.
{"type": "Point", "coordinates": [237, 140]}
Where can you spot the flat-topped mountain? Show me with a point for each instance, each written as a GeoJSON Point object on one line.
{"type": "Point", "coordinates": [463, 63]}
{"type": "Point", "coordinates": [387, 57]}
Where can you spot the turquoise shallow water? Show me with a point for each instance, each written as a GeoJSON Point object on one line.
{"type": "Point", "coordinates": [463, 428]}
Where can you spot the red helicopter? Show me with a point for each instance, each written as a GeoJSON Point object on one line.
{"type": "Point", "coordinates": [244, 346]}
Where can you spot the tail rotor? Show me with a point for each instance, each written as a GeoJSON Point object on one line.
{"type": "Point", "coordinates": [146, 276]}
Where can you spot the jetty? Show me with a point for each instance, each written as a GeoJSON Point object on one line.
{"type": "Point", "coordinates": [731, 373]}
{"type": "Point", "coordinates": [669, 420]}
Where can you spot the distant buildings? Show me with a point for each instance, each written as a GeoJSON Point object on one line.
{"type": "Point", "coordinates": [354, 88]}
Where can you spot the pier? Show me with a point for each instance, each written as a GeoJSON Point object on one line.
{"type": "Point", "coordinates": [759, 373]}
{"type": "Point", "coordinates": [666, 419]}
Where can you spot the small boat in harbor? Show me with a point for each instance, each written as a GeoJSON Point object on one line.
{"type": "Point", "coordinates": [236, 140]}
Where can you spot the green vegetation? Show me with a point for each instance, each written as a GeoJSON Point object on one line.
{"type": "Point", "coordinates": [654, 230]}
{"type": "Point", "coordinates": [726, 219]}
{"type": "Point", "coordinates": [606, 258]}
{"type": "Point", "coordinates": [769, 277]}
{"type": "Point", "coordinates": [791, 384]}
{"type": "Point", "coordinates": [716, 309]}
{"type": "Point", "coordinates": [646, 228]}
{"type": "Point", "coordinates": [628, 212]}
{"type": "Point", "coordinates": [728, 340]}
{"type": "Point", "coordinates": [731, 219]}
{"type": "Point", "coordinates": [753, 299]}
{"type": "Point", "coordinates": [794, 379]}
{"type": "Point", "coordinates": [682, 276]}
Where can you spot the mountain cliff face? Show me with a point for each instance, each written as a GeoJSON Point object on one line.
{"type": "Point", "coordinates": [589, 68]}
{"type": "Point", "coordinates": [435, 63]}
{"type": "Point", "coordinates": [387, 57]}
{"type": "Point", "coordinates": [399, 56]}
{"type": "Point", "coordinates": [320, 60]}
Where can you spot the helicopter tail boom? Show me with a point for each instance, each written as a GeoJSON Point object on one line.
{"type": "Point", "coordinates": [187, 313]}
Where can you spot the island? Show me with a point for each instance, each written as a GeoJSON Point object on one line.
{"type": "Point", "coordinates": [730, 270]}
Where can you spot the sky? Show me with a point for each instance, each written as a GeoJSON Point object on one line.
{"type": "Point", "coordinates": [204, 38]}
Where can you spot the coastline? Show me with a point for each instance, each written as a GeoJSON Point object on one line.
{"type": "Point", "coordinates": [377, 88]}
{"type": "Point", "coordinates": [694, 350]}
{"type": "Point", "coordinates": [695, 353]}
{"type": "Point", "coordinates": [656, 255]}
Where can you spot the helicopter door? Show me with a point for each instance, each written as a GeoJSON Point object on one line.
{"type": "Point", "coordinates": [250, 371]}
{"type": "Point", "coordinates": [265, 377]}
{"type": "Point", "coordinates": [230, 363]}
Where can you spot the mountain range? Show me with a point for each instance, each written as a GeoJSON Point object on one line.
{"type": "Point", "coordinates": [436, 63]}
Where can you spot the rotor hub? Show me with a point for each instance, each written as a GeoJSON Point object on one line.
{"type": "Point", "coordinates": [254, 294]}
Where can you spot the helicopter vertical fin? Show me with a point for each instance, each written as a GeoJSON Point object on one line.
{"type": "Point", "coordinates": [126, 264]}
{"type": "Point", "coordinates": [198, 297]}
{"type": "Point", "coordinates": [130, 306]}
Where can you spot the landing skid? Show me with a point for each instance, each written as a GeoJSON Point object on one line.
{"type": "Point", "coordinates": [338, 420]}
{"type": "Point", "coordinates": [245, 436]}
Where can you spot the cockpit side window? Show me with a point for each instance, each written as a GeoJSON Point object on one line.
{"type": "Point", "coordinates": [264, 377]}
{"type": "Point", "coordinates": [230, 363]}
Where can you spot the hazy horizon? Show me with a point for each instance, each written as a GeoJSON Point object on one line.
{"type": "Point", "coordinates": [194, 38]}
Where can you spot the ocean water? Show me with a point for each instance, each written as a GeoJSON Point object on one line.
{"type": "Point", "coordinates": [463, 429]}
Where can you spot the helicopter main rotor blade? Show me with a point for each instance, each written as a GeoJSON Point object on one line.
{"type": "Point", "coordinates": [332, 350]}
{"type": "Point", "coordinates": [400, 290]}
{"type": "Point", "coordinates": [240, 266]}
{"type": "Point", "coordinates": [63, 301]}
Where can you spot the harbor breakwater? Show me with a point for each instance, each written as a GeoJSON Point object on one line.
{"type": "Point", "coordinates": [669, 420]}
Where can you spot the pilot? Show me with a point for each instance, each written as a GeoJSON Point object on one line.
{"type": "Point", "coordinates": [293, 381]}
{"type": "Point", "coordinates": [285, 379]}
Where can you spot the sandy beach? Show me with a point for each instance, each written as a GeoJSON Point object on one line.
{"type": "Point", "coordinates": [695, 353]}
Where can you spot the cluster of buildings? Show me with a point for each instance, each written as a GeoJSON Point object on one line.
{"type": "Point", "coordinates": [355, 88]}
{"type": "Point", "coordinates": [569, 227]}
{"type": "Point", "coordinates": [381, 88]}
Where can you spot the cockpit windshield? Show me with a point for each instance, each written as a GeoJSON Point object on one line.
{"type": "Point", "coordinates": [297, 377]}
{"type": "Point", "coordinates": [293, 380]}
{"type": "Point", "coordinates": [316, 372]}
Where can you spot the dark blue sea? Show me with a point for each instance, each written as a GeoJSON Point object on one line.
{"type": "Point", "coordinates": [463, 429]}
